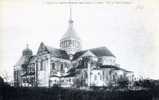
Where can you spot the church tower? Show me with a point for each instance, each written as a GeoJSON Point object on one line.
{"type": "Point", "coordinates": [70, 41]}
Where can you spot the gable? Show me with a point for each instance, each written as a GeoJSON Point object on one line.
{"type": "Point", "coordinates": [83, 54]}
{"type": "Point", "coordinates": [58, 53]}
{"type": "Point", "coordinates": [42, 49]}
{"type": "Point", "coordinates": [88, 53]}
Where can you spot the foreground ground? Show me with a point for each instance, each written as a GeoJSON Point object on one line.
{"type": "Point", "coordinates": [12, 93]}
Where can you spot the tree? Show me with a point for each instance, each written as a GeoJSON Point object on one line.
{"type": "Point", "coordinates": [1, 81]}
{"type": "Point", "coordinates": [5, 76]}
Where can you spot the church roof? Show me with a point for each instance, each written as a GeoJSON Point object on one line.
{"type": "Point", "coordinates": [99, 52]}
{"type": "Point", "coordinates": [57, 52]}
{"type": "Point", "coordinates": [23, 60]}
{"type": "Point", "coordinates": [26, 55]}
{"type": "Point", "coordinates": [78, 54]}
{"type": "Point", "coordinates": [114, 67]}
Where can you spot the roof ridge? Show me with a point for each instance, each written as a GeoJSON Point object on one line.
{"type": "Point", "coordinates": [53, 48]}
{"type": "Point", "coordinates": [97, 47]}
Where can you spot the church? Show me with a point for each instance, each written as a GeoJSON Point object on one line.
{"type": "Point", "coordinates": [67, 66]}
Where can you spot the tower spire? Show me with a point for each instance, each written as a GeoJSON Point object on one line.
{"type": "Point", "coordinates": [70, 17]}
{"type": "Point", "coordinates": [70, 12]}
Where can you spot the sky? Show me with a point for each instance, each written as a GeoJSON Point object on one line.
{"type": "Point", "coordinates": [129, 28]}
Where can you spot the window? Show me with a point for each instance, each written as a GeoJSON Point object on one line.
{"type": "Point", "coordinates": [62, 67]}
{"type": "Point", "coordinates": [42, 65]}
{"type": "Point", "coordinates": [85, 74]}
{"type": "Point", "coordinates": [52, 66]}
{"type": "Point", "coordinates": [113, 77]}
{"type": "Point", "coordinates": [62, 80]}
{"type": "Point", "coordinates": [100, 77]}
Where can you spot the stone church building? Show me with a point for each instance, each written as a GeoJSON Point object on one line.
{"type": "Point", "coordinates": [68, 66]}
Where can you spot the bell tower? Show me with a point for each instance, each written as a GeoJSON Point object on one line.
{"type": "Point", "coordinates": [70, 41]}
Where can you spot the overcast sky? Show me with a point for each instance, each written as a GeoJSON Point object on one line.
{"type": "Point", "coordinates": [130, 30]}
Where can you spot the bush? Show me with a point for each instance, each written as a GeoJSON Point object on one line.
{"type": "Point", "coordinates": [23, 93]}
{"type": "Point", "coordinates": [145, 83]}
{"type": "Point", "coordinates": [123, 82]}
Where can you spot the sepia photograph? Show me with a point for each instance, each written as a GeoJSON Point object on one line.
{"type": "Point", "coordinates": [79, 50]}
